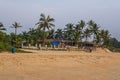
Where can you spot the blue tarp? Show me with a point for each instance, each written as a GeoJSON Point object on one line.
{"type": "Point", "coordinates": [56, 43]}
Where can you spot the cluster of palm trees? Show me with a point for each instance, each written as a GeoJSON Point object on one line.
{"type": "Point", "coordinates": [76, 33]}
{"type": "Point", "coordinates": [83, 31]}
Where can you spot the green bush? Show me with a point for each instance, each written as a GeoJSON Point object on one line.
{"type": "Point", "coordinates": [5, 47]}
{"type": "Point", "coordinates": [8, 47]}
{"type": "Point", "coordinates": [114, 49]}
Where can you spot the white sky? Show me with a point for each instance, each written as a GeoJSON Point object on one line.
{"type": "Point", "coordinates": [27, 12]}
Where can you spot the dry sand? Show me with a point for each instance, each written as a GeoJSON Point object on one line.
{"type": "Point", "coordinates": [60, 65]}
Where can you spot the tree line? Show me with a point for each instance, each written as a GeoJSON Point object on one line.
{"type": "Point", "coordinates": [80, 32]}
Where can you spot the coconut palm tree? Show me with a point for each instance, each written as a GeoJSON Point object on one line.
{"type": "Point", "coordinates": [16, 26]}
{"type": "Point", "coordinates": [59, 34]}
{"type": "Point", "coordinates": [25, 36]}
{"type": "Point", "coordinates": [2, 27]}
{"type": "Point", "coordinates": [87, 34]}
{"type": "Point", "coordinates": [91, 23]}
{"type": "Point", "coordinates": [1, 33]}
{"type": "Point", "coordinates": [51, 34]}
{"type": "Point", "coordinates": [98, 39]}
{"type": "Point", "coordinates": [94, 28]}
{"type": "Point", "coordinates": [79, 31]}
{"type": "Point", "coordinates": [69, 32]}
{"type": "Point", "coordinates": [105, 35]}
{"type": "Point", "coordinates": [81, 25]}
{"type": "Point", "coordinates": [45, 23]}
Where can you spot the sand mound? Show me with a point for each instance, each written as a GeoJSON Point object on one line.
{"type": "Point", "coordinates": [102, 50]}
{"type": "Point", "coordinates": [107, 50]}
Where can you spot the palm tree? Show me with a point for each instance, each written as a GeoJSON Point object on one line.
{"type": "Point", "coordinates": [59, 34]}
{"type": "Point", "coordinates": [94, 28]}
{"type": "Point", "coordinates": [105, 35]}
{"type": "Point", "coordinates": [31, 31]}
{"type": "Point", "coordinates": [79, 31]}
{"type": "Point", "coordinates": [45, 23]}
{"type": "Point", "coordinates": [87, 34]}
{"type": "Point", "coordinates": [98, 39]}
{"type": "Point", "coordinates": [25, 36]}
{"type": "Point", "coordinates": [2, 27]}
{"type": "Point", "coordinates": [69, 31]}
{"type": "Point", "coordinates": [16, 26]}
{"type": "Point", "coordinates": [77, 38]}
{"type": "Point", "coordinates": [51, 34]}
{"type": "Point", "coordinates": [81, 25]}
{"type": "Point", "coordinates": [91, 23]}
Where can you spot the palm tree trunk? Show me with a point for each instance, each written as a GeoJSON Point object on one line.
{"type": "Point", "coordinates": [44, 37]}
{"type": "Point", "coordinates": [15, 36]}
{"type": "Point", "coordinates": [86, 38]}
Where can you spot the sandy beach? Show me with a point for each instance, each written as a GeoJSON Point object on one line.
{"type": "Point", "coordinates": [60, 65]}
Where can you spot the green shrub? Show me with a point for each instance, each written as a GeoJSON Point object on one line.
{"type": "Point", "coordinates": [114, 49]}
{"type": "Point", "coordinates": [8, 47]}
{"type": "Point", "coordinates": [5, 47]}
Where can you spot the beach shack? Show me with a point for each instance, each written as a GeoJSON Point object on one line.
{"type": "Point", "coordinates": [89, 46]}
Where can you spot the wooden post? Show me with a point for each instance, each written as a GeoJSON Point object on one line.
{"type": "Point", "coordinates": [40, 46]}
{"type": "Point", "coordinates": [22, 45]}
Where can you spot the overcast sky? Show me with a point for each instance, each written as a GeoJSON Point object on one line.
{"type": "Point", "coordinates": [27, 12]}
